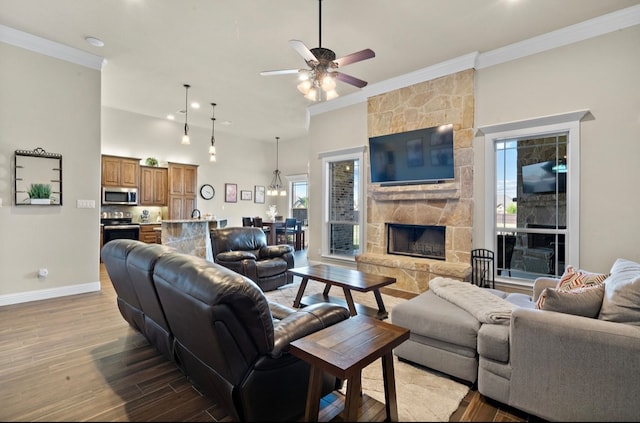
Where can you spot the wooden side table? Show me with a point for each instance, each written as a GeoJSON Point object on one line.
{"type": "Point", "coordinates": [343, 350]}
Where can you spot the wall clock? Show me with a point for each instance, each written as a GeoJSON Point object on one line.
{"type": "Point", "coordinates": [207, 192]}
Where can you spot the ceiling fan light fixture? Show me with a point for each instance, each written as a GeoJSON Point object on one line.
{"type": "Point", "coordinates": [305, 86]}
{"type": "Point", "coordinates": [312, 94]}
{"type": "Point", "coordinates": [331, 94]}
{"type": "Point", "coordinates": [328, 83]}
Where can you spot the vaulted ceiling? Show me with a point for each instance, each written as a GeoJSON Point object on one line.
{"type": "Point", "coordinates": [219, 47]}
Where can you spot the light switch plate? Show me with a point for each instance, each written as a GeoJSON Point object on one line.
{"type": "Point", "coordinates": [86, 204]}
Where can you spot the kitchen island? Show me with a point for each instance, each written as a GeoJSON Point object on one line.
{"type": "Point", "coordinates": [190, 236]}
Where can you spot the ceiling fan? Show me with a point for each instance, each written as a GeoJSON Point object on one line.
{"type": "Point", "coordinates": [318, 81]}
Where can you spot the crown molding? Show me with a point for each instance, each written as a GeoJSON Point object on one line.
{"type": "Point", "coordinates": [50, 48]}
{"type": "Point", "coordinates": [572, 34]}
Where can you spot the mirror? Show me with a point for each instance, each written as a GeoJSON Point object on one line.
{"type": "Point", "coordinates": [38, 178]}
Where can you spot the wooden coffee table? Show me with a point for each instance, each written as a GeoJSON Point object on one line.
{"type": "Point", "coordinates": [349, 280]}
{"type": "Point", "coordinates": [343, 350]}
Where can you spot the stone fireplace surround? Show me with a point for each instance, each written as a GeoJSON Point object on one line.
{"type": "Point", "coordinates": [444, 100]}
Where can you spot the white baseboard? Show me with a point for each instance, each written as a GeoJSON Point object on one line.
{"type": "Point", "coordinates": [45, 294]}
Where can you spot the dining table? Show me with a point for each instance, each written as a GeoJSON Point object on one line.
{"type": "Point", "coordinates": [272, 237]}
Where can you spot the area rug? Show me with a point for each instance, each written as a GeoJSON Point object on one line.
{"type": "Point", "coordinates": [422, 395]}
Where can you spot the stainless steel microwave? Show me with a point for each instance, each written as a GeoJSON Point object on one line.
{"type": "Point", "coordinates": [118, 195]}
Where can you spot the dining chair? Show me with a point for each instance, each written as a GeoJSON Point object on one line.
{"type": "Point", "coordinates": [247, 221]}
{"type": "Point", "coordinates": [287, 233]}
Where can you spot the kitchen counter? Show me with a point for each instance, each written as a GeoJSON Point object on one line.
{"type": "Point", "coordinates": [190, 236]}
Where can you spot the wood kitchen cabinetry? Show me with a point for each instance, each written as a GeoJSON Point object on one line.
{"type": "Point", "coordinates": [148, 233]}
{"type": "Point", "coordinates": [183, 182]}
{"type": "Point", "coordinates": [153, 186]}
{"type": "Point", "coordinates": [120, 171]}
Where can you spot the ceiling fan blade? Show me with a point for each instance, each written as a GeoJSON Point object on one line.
{"type": "Point", "coordinates": [355, 57]}
{"type": "Point", "coordinates": [302, 50]}
{"type": "Point", "coordinates": [280, 72]}
{"type": "Point", "coordinates": [350, 79]}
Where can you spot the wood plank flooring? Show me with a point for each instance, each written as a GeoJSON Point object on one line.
{"type": "Point", "coordinates": [76, 359]}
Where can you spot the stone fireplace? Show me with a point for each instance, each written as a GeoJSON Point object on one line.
{"type": "Point", "coordinates": [445, 100]}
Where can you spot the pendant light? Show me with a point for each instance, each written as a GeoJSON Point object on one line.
{"type": "Point", "coordinates": [276, 187]}
{"type": "Point", "coordinates": [185, 137]}
{"type": "Point", "coordinates": [212, 149]}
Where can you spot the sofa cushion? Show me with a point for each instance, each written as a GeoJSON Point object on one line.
{"type": "Point", "coordinates": [575, 278]}
{"type": "Point", "coordinates": [584, 301]}
{"type": "Point", "coordinates": [621, 302]}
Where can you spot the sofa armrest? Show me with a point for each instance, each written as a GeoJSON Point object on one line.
{"type": "Point", "coordinates": [230, 256]}
{"type": "Point", "coordinates": [541, 283]}
{"type": "Point", "coordinates": [591, 365]}
{"type": "Point", "coordinates": [271, 251]}
{"type": "Point", "coordinates": [279, 311]}
{"type": "Point", "coordinates": [305, 321]}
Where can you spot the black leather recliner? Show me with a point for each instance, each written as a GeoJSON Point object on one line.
{"type": "Point", "coordinates": [228, 339]}
{"type": "Point", "coordinates": [244, 250]}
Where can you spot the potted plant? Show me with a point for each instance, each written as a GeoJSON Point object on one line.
{"type": "Point", "coordinates": [40, 193]}
{"type": "Point", "coordinates": [151, 161]}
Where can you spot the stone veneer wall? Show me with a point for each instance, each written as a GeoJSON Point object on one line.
{"type": "Point", "coordinates": [445, 100]}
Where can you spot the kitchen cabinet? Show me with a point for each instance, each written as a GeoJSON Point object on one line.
{"type": "Point", "coordinates": [153, 186]}
{"type": "Point", "coordinates": [120, 171]}
{"type": "Point", "coordinates": [183, 182]}
{"type": "Point", "coordinates": [148, 233]}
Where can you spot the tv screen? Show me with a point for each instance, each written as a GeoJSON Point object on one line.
{"type": "Point", "coordinates": [412, 157]}
{"type": "Point", "coordinates": [541, 177]}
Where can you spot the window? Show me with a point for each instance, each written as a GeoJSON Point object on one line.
{"type": "Point", "coordinates": [300, 201]}
{"type": "Point", "coordinates": [342, 218]}
{"type": "Point", "coordinates": [532, 185]}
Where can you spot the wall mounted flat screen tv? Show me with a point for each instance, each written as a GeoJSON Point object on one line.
{"type": "Point", "coordinates": [539, 178]}
{"type": "Point", "coordinates": [412, 157]}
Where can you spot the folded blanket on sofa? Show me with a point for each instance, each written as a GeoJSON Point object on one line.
{"type": "Point", "coordinates": [480, 303]}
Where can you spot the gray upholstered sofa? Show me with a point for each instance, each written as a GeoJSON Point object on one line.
{"type": "Point", "coordinates": [552, 364]}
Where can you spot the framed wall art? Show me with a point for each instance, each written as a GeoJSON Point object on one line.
{"type": "Point", "coordinates": [259, 194]}
{"type": "Point", "coordinates": [231, 193]}
{"type": "Point", "coordinates": [245, 195]}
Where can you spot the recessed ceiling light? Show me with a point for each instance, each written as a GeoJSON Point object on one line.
{"type": "Point", "coordinates": [96, 42]}
{"type": "Point", "coordinates": [195, 105]}
{"type": "Point", "coordinates": [171, 117]}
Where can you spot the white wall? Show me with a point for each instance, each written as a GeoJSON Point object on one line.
{"type": "Point", "coordinates": [601, 75]}
{"type": "Point", "coordinates": [55, 105]}
{"type": "Point", "coordinates": [330, 131]}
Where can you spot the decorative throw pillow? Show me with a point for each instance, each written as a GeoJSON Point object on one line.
{"type": "Point", "coordinates": [574, 279]}
{"type": "Point", "coordinates": [584, 301]}
{"type": "Point", "coordinates": [621, 302]}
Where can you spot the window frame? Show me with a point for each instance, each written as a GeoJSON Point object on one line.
{"type": "Point", "coordinates": [568, 123]}
{"type": "Point", "coordinates": [356, 153]}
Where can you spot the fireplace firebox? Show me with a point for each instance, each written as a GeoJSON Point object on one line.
{"type": "Point", "coordinates": [425, 241]}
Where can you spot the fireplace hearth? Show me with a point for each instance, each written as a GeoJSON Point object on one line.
{"type": "Point", "coordinates": [424, 241]}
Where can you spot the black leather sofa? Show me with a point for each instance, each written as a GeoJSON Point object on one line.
{"type": "Point", "coordinates": [245, 250]}
{"type": "Point", "coordinates": [218, 328]}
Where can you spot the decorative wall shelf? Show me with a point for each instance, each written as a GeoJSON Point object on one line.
{"type": "Point", "coordinates": [37, 167]}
